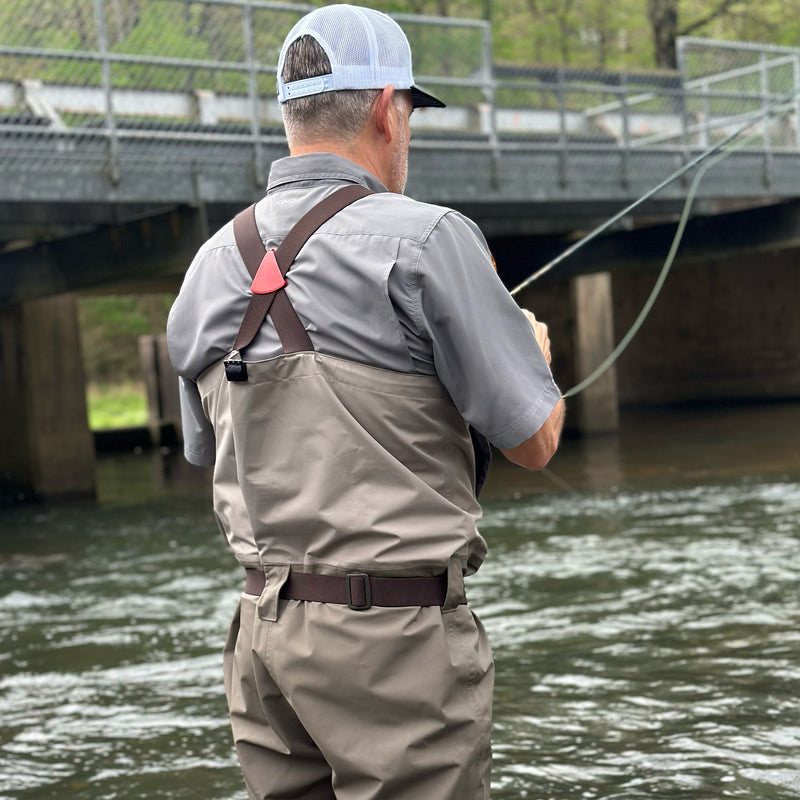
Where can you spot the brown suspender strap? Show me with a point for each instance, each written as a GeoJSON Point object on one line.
{"type": "Point", "coordinates": [290, 329]}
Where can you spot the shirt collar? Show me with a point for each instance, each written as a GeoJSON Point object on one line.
{"type": "Point", "coordinates": [315, 168]}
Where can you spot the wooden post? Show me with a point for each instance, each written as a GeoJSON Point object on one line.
{"type": "Point", "coordinates": [597, 406]}
{"type": "Point", "coordinates": [161, 383]}
{"type": "Point", "coordinates": [48, 449]}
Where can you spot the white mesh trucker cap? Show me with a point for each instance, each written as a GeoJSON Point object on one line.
{"type": "Point", "coordinates": [367, 50]}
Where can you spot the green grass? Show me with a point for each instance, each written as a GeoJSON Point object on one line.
{"type": "Point", "coordinates": [121, 405]}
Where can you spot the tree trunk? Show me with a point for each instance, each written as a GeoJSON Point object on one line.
{"type": "Point", "coordinates": [663, 16]}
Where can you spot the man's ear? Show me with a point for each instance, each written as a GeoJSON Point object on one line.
{"type": "Point", "coordinates": [382, 111]}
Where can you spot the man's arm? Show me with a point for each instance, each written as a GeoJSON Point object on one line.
{"type": "Point", "coordinates": [485, 349]}
{"type": "Point", "coordinates": [199, 445]}
{"type": "Point", "coordinates": [535, 452]}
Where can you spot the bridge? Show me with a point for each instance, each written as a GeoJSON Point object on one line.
{"type": "Point", "coordinates": [126, 137]}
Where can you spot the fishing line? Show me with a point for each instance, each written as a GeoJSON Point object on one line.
{"type": "Point", "coordinates": [721, 150]}
{"type": "Point", "coordinates": [593, 234]}
{"type": "Point", "coordinates": [560, 482]}
{"type": "Point", "coordinates": [662, 277]}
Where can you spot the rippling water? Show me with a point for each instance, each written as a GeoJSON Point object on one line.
{"type": "Point", "coordinates": [648, 643]}
{"type": "Point", "coordinates": [643, 600]}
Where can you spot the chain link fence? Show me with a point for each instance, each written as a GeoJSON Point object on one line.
{"type": "Point", "coordinates": [720, 86]}
{"type": "Point", "coordinates": [95, 88]}
{"type": "Point", "coordinates": [730, 83]}
{"type": "Point", "coordinates": [97, 81]}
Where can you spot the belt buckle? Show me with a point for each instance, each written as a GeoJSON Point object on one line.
{"type": "Point", "coordinates": [348, 587]}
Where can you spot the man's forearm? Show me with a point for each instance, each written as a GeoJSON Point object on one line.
{"type": "Point", "coordinates": [536, 452]}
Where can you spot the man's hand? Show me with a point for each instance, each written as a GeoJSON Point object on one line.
{"type": "Point", "coordinates": [540, 332]}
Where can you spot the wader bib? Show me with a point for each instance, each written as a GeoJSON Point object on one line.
{"type": "Point", "coordinates": [325, 464]}
{"type": "Point", "coordinates": [361, 482]}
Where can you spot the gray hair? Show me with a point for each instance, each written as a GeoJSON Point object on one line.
{"type": "Point", "coordinates": [329, 116]}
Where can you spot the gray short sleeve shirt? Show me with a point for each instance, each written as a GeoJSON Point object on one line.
{"type": "Point", "coordinates": [389, 282]}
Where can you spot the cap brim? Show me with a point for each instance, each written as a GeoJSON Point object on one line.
{"type": "Point", "coordinates": [420, 99]}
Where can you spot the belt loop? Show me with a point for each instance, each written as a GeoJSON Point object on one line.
{"type": "Point", "coordinates": [276, 576]}
{"type": "Point", "coordinates": [456, 595]}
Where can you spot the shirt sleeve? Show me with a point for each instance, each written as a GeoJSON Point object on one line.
{"type": "Point", "coordinates": [484, 348]}
{"type": "Point", "coordinates": [199, 444]}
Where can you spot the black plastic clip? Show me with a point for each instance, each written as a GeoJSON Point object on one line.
{"type": "Point", "coordinates": [236, 370]}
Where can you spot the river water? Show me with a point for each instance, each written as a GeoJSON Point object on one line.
{"type": "Point", "coordinates": [642, 597]}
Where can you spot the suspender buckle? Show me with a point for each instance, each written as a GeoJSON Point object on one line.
{"type": "Point", "coordinates": [357, 590]}
{"type": "Point", "coordinates": [235, 370]}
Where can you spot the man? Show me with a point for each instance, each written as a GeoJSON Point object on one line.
{"type": "Point", "coordinates": [345, 476]}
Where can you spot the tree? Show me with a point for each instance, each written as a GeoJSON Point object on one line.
{"type": "Point", "coordinates": [663, 16]}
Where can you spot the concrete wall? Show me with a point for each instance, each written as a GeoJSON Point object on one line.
{"type": "Point", "coordinates": [47, 447]}
{"type": "Point", "coordinates": [161, 385]}
{"type": "Point", "coordinates": [720, 329]}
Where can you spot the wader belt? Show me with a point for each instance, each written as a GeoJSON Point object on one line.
{"type": "Point", "coordinates": [356, 590]}
{"type": "Point", "coordinates": [293, 336]}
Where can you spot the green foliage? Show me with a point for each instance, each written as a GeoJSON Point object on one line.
{"type": "Point", "coordinates": [159, 32]}
{"type": "Point", "coordinates": [117, 405]}
{"type": "Point", "coordinates": [576, 33]}
{"type": "Point", "coordinates": [67, 26]}
{"type": "Point", "coordinates": [110, 329]}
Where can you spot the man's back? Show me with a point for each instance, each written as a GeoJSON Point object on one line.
{"type": "Point", "coordinates": [354, 283]}
{"type": "Point", "coordinates": [388, 282]}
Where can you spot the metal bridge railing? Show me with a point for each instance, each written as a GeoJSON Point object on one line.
{"type": "Point", "coordinates": [94, 83]}
{"type": "Point", "coordinates": [710, 107]}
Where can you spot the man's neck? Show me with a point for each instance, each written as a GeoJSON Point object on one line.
{"type": "Point", "coordinates": [352, 153]}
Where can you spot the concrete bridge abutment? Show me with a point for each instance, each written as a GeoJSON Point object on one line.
{"type": "Point", "coordinates": [48, 449]}
{"type": "Point", "coordinates": [592, 306]}
{"type": "Point", "coordinates": [580, 318]}
{"type": "Point", "coordinates": [724, 329]}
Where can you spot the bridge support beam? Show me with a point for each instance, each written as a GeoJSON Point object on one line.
{"type": "Point", "coordinates": [161, 383]}
{"type": "Point", "coordinates": [47, 447]}
{"type": "Point", "coordinates": [596, 408]}
{"type": "Point", "coordinates": [580, 317]}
